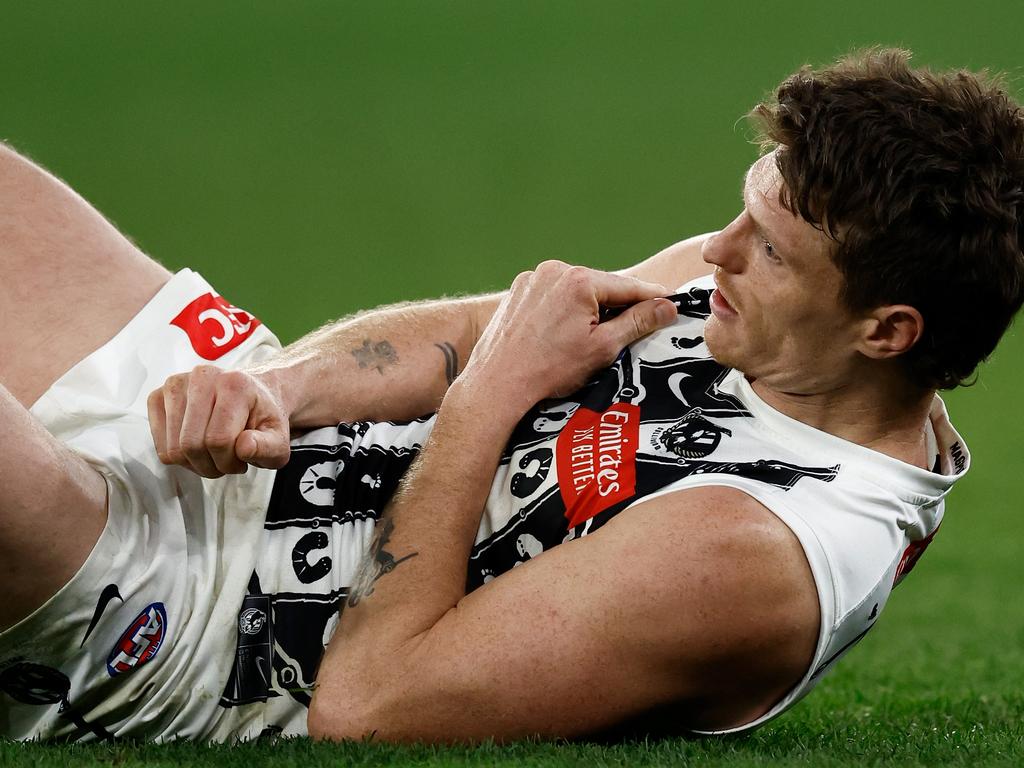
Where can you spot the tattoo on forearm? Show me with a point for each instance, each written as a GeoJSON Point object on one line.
{"type": "Point", "coordinates": [378, 562]}
{"type": "Point", "coordinates": [375, 354]}
{"type": "Point", "coordinates": [451, 361]}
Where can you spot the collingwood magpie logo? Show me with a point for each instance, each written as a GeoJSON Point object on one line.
{"type": "Point", "coordinates": [692, 437]}
{"type": "Point", "coordinates": [251, 621]}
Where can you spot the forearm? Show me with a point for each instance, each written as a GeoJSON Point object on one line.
{"type": "Point", "coordinates": [408, 600]}
{"type": "Point", "coordinates": [414, 576]}
{"type": "Point", "coordinates": [425, 556]}
{"type": "Point", "coordinates": [393, 363]}
{"type": "Point", "coordinates": [390, 363]}
{"type": "Point", "coordinates": [397, 362]}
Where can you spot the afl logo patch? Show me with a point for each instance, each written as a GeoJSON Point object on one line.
{"type": "Point", "coordinates": [251, 621]}
{"type": "Point", "coordinates": [140, 642]}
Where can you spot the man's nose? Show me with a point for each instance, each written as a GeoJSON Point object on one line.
{"type": "Point", "coordinates": [724, 249]}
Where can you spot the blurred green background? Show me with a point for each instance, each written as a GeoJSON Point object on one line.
{"type": "Point", "coordinates": [312, 158]}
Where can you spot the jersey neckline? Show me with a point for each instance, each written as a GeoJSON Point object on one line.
{"type": "Point", "coordinates": [906, 480]}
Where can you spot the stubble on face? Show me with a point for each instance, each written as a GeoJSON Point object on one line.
{"type": "Point", "coordinates": [788, 306]}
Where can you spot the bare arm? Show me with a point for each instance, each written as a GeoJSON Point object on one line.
{"type": "Point", "coordinates": [397, 362]}
{"type": "Point", "coordinates": [581, 637]}
{"type": "Point", "coordinates": [674, 266]}
{"type": "Point", "coordinates": [392, 363]}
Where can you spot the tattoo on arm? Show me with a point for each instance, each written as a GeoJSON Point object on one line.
{"type": "Point", "coordinates": [379, 355]}
{"type": "Point", "coordinates": [451, 361]}
{"type": "Point", "coordinates": [378, 562]}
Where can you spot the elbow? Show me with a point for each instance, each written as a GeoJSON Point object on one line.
{"type": "Point", "coordinates": [377, 721]}
{"type": "Point", "coordinates": [363, 726]}
{"type": "Point", "coordinates": [317, 725]}
{"type": "Point", "coordinates": [351, 715]}
{"type": "Point", "coordinates": [326, 721]}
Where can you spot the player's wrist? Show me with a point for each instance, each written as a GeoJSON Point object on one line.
{"type": "Point", "coordinates": [501, 404]}
{"type": "Point", "coordinates": [284, 387]}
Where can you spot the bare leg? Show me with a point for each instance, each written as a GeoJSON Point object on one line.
{"type": "Point", "coordinates": [68, 283]}
{"type": "Point", "coordinates": [52, 510]}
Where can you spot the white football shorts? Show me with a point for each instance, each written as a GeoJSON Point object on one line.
{"type": "Point", "coordinates": [140, 641]}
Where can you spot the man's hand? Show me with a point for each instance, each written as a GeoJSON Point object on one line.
{"type": "Point", "coordinates": [217, 422]}
{"type": "Point", "coordinates": [546, 338]}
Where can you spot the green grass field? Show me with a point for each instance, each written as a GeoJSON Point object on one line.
{"type": "Point", "coordinates": [314, 158]}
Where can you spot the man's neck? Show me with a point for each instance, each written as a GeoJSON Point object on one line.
{"type": "Point", "coordinates": [885, 415]}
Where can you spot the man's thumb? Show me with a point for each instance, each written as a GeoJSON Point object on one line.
{"type": "Point", "coordinates": [263, 448]}
{"type": "Point", "coordinates": [644, 318]}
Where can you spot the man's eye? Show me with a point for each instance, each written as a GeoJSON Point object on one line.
{"type": "Point", "coordinates": [769, 250]}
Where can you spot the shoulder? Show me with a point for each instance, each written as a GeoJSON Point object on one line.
{"type": "Point", "coordinates": [675, 265]}
{"type": "Point", "coordinates": [733, 584]}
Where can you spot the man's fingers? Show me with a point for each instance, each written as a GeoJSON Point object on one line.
{"type": "Point", "coordinates": [638, 321]}
{"type": "Point", "coordinates": [175, 396]}
{"type": "Point", "coordinates": [267, 448]}
{"type": "Point", "coordinates": [612, 290]}
{"type": "Point", "coordinates": [198, 410]}
{"type": "Point", "coordinates": [233, 405]}
{"type": "Point", "coordinates": [217, 422]}
{"type": "Point", "coordinates": [247, 426]}
{"type": "Point", "coordinates": [157, 422]}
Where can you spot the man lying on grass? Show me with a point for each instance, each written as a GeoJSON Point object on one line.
{"type": "Point", "coordinates": [671, 510]}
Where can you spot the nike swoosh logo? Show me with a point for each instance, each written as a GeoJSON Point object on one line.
{"type": "Point", "coordinates": [109, 593]}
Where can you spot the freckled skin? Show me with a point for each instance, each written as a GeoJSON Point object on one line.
{"type": "Point", "coordinates": [792, 331]}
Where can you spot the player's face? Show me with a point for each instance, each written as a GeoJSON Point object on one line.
{"type": "Point", "coordinates": [776, 314]}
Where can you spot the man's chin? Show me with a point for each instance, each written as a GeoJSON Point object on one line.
{"type": "Point", "coordinates": [720, 348]}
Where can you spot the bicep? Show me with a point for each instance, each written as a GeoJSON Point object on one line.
{"type": "Point", "coordinates": [538, 651]}
{"type": "Point", "coordinates": [589, 634]}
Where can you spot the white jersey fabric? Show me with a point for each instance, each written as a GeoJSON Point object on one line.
{"type": "Point", "coordinates": [130, 645]}
{"type": "Point", "coordinates": [242, 578]}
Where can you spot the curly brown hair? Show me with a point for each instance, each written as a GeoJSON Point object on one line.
{"type": "Point", "coordinates": [918, 178]}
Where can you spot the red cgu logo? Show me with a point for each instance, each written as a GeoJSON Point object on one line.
{"type": "Point", "coordinates": [140, 642]}
{"type": "Point", "coordinates": [215, 327]}
{"type": "Point", "coordinates": [596, 459]}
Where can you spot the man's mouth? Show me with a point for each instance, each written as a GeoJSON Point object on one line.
{"type": "Point", "coordinates": [720, 305]}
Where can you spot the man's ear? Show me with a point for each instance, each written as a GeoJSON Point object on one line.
{"type": "Point", "coordinates": [890, 331]}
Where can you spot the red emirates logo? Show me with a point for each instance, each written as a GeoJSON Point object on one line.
{"type": "Point", "coordinates": [215, 327]}
{"type": "Point", "coordinates": [596, 455]}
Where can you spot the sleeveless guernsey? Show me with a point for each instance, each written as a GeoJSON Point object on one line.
{"type": "Point", "coordinates": [663, 417]}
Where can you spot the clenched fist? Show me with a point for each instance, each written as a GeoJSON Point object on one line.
{"type": "Point", "coordinates": [217, 422]}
